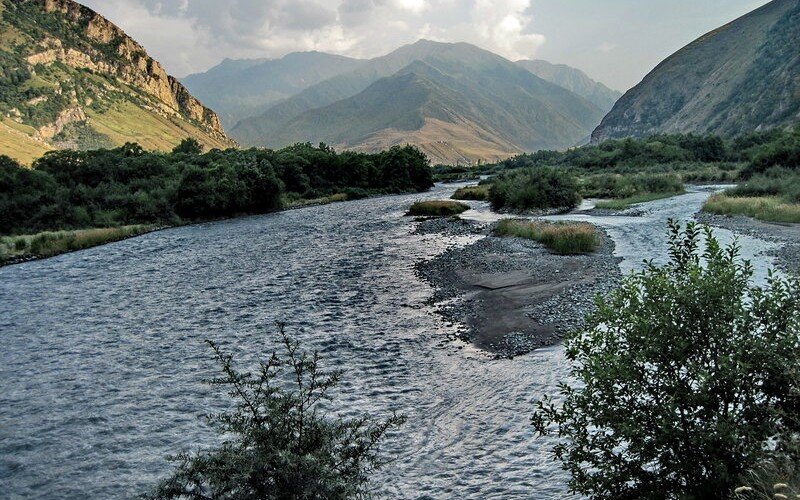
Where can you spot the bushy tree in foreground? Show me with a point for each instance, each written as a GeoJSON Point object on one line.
{"type": "Point", "coordinates": [684, 380]}
{"type": "Point", "coordinates": [279, 445]}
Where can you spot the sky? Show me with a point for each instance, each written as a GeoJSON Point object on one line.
{"type": "Point", "coordinates": [615, 41]}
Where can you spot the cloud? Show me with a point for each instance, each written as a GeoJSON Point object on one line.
{"type": "Point", "coordinates": [192, 35]}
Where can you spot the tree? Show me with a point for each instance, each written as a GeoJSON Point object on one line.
{"type": "Point", "coordinates": [189, 146]}
{"type": "Point", "coordinates": [683, 379]}
{"type": "Point", "coordinates": [279, 444]}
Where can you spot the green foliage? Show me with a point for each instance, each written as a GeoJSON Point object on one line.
{"type": "Point", "coordinates": [564, 238]}
{"type": "Point", "coordinates": [626, 186]}
{"type": "Point", "coordinates": [535, 188]}
{"type": "Point", "coordinates": [684, 379]}
{"type": "Point", "coordinates": [189, 146]}
{"type": "Point", "coordinates": [437, 208]}
{"type": "Point", "coordinates": [127, 185]}
{"type": "Point", "coordinates": [279, 442]}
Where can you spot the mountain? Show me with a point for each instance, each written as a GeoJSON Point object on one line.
{"type": "Point", "coordinates": [239, 89]}
{"type": "Point", "coordinates": [742, 77]}
{"type": "Point", "coordinates": [456, 102]}
{"type": "Point", "coordinates": [69, 78]}
{"type": "Point", "coordinates": [575, 80]}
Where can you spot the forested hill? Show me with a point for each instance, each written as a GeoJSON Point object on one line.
{"type": "Point", "coordinates": [69, 78]}
{"type": "Point", "coordinates": [740, 78]}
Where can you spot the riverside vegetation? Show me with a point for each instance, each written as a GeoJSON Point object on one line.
{"type": "Point", "coordinates": [565, 238]}
{"type": "Point", "coordinates": [765, 165]}
{"type": "Point", "coordinates": [69, 190]}
{"type": "Point", "coordinates": [685, 381]}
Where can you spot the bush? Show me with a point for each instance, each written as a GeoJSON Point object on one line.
{"type": "Point", "coordinates": [682, 379]}
{"type": "Point", "coordinates": [536, 188]}
{"type": "Point", "coordinates": [278, 441]}
{"type": "Point", "coordinates": [565, 238]}
{"type": "Point", "coordinates": [437, 208]}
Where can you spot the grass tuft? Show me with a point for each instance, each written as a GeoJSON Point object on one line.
{"type": "Point", "coordinates": [437, 208]}
{"type": "Point", "coordinates": [480, 193]}
{"type": "Point", "coordinates": [766, 208]}
{"type": "Point", "coordinates": [564, 238]}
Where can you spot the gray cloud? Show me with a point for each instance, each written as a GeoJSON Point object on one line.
{"type": "Point", "coordinates": [191, 35]}
{"type": "Point", "coordinates": [617, 41]}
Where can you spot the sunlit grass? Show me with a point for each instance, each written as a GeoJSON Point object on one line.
{"type": "Point", "coordinates": [766, 208]}
{"type": "Point", "coordinates": [565, 238]}
{"type": "Point", "coordinates": [48, 244]}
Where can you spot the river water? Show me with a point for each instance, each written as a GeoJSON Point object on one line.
{"type": "Point", "coordinates": [103, 352]}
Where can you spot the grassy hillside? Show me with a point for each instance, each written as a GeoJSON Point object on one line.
{"type": "Point", "coordinates": [239, 89]}
{"type": "Point", "coordinates": [455, 101]}
{"type": "Point", "coordinates": [742, 77]}
{"type": "Point", "coordinates": [71, 79]}
{"type": "Point", "coordinates": [574, 80]}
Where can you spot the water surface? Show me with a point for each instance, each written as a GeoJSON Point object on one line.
{"type": "Point", "coordinates": [103, 350]}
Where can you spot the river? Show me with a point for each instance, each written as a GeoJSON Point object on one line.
{"type": "Point", "coordinates": [103, 350]}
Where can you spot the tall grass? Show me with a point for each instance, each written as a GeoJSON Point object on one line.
{"type": "Point", "coordinates": [564, 238]}
{"type": "Point", "coordinates": [48, 244]}
{"type": "Point", "coordinates": [480, 193]}
{"type": "Point", "coordinates": [766, 208]}
{"type": "Point", "coordinates": [437, 208]}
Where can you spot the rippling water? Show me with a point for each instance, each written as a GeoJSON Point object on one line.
{"type": "Point", "coordinates": [103, 355]}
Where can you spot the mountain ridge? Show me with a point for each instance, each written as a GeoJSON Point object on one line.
{"type": "Point", "coordinates": [499, 104]}
{"type": "Point", "coordinates": [239, 89]}
{"type": "Point", "coordinates": [574, 80]}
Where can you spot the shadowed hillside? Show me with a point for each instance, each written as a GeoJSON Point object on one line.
{"type": "Point", "coordinates": [742, 77]}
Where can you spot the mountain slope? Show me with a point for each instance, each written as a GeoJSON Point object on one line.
{"type": "Point", "coordinates": [70, 78]}
{"type": "Point", "coordinates": [575, 80]}
{"type": "Point", "coordinates": [455, 101]}
{"type": "Point", "coordinates": [742, 77]}
{"type": "Point", "coordinates": [239, 89]}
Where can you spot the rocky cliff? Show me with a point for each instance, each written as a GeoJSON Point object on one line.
{"type": "Point", "coordinates": [70, 65]}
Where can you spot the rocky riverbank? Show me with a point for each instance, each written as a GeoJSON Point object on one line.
{"type": "Point", "coordinates": [787, 254]}
{"type": "Point", "coordinates": [512, 295]}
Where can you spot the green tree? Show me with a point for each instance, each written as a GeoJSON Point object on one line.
{"type": "Point", "coordinates": [189, 146]}
{"type": "Point", "coordinates": [683, 379]}
{"type": "Point", "coordinates": [279, 443]}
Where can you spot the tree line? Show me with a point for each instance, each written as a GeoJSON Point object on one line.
{"type": "Point", "coordinates": [128, 185]}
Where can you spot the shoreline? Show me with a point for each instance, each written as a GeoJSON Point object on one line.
{"type": "Point", "coordinates": [295, 206]}
{"type": "Point", "coordinates": [787, 256]}
{"type": "Point", "coordinates": [513, 295]}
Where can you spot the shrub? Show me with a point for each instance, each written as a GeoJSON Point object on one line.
{"type": "Point", "coordinates": [437, 208]}
{"type": "Point", "coordinates": [565, 238]}
{"type": "Point", "coordinates": [278, 441]}
{"type": "Point", "coordinates": [536, 188]}
{"type": "Point", "coordinates": [682, 379]}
